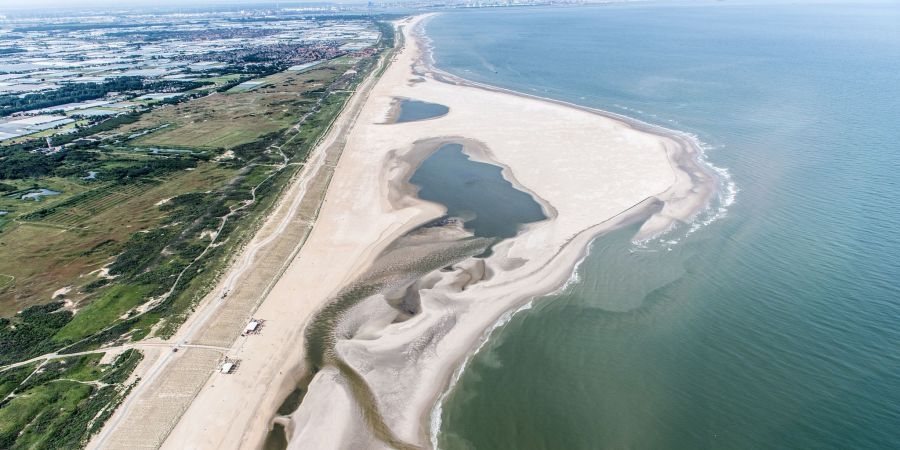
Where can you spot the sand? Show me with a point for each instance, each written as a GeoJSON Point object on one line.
{"type": "Point", "coordinates": [590, 171]}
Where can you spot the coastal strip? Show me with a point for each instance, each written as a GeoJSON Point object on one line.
{"type": "Point", "coordinates": [386, 360]}
{"type": "Point", "coordinates": [591, 171]}
{"type": "Point", "coordinates": [170, 404]}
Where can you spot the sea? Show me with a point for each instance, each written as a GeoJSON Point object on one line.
{"type": "Point", "coordinates": [771, 321]}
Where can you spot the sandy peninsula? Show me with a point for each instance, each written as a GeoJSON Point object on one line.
{"type": "Point", "coordinates": [590, 171]}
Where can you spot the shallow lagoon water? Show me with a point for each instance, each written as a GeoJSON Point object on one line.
{"type": "Point", "coordinates": [39, 194]}
{"type": "Point", "coordinates": [476, 192]}
{"type": "Point", "coordinates": [414, 110]}
{"type": "Point", "coordinates": [276, 439]}
{"type": "Point", "coordinates": [773, 327]}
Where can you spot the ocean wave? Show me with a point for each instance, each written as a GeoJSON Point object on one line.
{"type": "Point", "coordinates": [716, 210]}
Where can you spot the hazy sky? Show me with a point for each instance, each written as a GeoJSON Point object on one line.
{"type": "Point", "coordinates": [37, 4]}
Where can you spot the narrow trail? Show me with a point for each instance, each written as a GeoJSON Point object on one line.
{"type": "Point", "coordinates": [123, 347]}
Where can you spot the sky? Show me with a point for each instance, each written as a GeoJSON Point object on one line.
{"type": "Point", "coordinates": [75, 4]}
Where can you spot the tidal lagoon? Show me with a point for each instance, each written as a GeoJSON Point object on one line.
{"type": "Point", "coordinates": [475, 192]}
{"type": "Point", "coordinates": [414, 110]}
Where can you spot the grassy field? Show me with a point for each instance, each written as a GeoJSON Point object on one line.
{"type": "Point", "coordinates": [82, 207]}
{"type": "Point", "coordinates": [109, 260]}
{"type": "Point", "coordinates": [63, 248]}
{"type": "Point", "coordinates": [115, 301]}
{"type": "Point", "coordinates": [67, 239]}
{"type": "Point", "coordinates": [58, 403]}
{"type": "Point", "coordinates": [67, 187]}
{"type": "Point", "coordinates": [226, 120]}
{"type": "Point", "coordinates": [6, 281]}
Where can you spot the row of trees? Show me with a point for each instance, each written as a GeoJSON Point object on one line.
{"type": "Point", "coordinates": [73, 92]}
{"type": "Point", "coordinates": [79, 92]}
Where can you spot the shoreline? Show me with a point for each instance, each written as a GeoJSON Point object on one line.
{"type": "Point", "coordinates": [406, 363]}
{"type": "Point", "coordinates": [718, 179]}
{"type": "Point", "coordinates": [227, 407]}
{"type": "Point", "coordinates": [690, 188]}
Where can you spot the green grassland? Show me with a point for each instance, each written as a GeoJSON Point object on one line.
{"type": "Point", "coordinates": [138, 247]}
{"type": "Point", "coordinates": [84, 228]}
{"type": "Point", "coordinates": [148, 219]}
{"type": "Point", "coordinates": [6, 281]}
{"type": "Point", "coordinates": [58, 404]}
{"type": "Point", "coordinates": [226, 120]}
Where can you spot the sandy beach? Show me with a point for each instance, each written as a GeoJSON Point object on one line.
{"type": "Point", "coordinates": [589, 171]}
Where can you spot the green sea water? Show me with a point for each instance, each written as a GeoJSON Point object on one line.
{"type": "Point", "coordinates": [773, 321]}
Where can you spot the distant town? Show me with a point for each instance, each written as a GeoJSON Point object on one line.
{"type": "Point", "coordinates": [57, 76]}
{"type": "Point", "coordinates": [59, 73]}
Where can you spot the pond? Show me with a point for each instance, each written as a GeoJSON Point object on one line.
{"type": "Point", "coordinates": [476, 192]}
{"type": "Point", "coordinates": [38, 194]}
{"type": "Point", "coordinates": [413, 110]}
